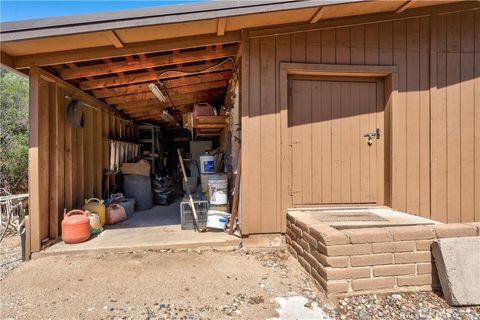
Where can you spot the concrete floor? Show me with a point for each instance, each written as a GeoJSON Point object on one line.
{"type": "Point", "coordinates": [156, 228]}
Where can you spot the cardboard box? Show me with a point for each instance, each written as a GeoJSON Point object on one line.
{"type": "Point", "coordinates": [140, 168]}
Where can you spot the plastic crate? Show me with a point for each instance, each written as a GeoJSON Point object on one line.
{"type": "Point", "coordinates": [186, 213]}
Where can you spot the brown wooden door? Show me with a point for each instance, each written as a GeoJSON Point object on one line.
{"type": "Point", "coordinates": [332, 160]}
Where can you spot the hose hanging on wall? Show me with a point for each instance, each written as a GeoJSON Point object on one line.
{"type": "Point", "coordinates": [76, 114]}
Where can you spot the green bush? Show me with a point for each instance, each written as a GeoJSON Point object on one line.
{"type": "Point", "coordinates": [13, 132]}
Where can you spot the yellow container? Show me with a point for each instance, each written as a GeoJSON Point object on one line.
{"type": "Point", "coordinates": [96, 206]}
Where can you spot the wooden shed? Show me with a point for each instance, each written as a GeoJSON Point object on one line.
{"type": "Point", "coordinates": [341, 103]}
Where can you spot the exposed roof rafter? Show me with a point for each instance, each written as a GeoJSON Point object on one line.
{"type": "Point", "coordinates": [407, 4]}
{"type": "Point", "coordinates": [222, 22]}
{"type": "Point", "coordinates": [318, 15]}
{"type": "Point", "coordinates": [112, 36]}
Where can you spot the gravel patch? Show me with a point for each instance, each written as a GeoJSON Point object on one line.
{"type": "Point", "coordinates": [419, 305]}
{"type": "Point", "coordinates": [10, 254]}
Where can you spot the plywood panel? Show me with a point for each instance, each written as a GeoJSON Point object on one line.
{"type": "Point", "coordinates": [317, 109]}
{"type": "Point", "coordinates": [268, 135]}
{"type": "Point", "coordinates": [424, 117]}
{"type": "Point", "coordinates": [453, 119]}
{"type": "Point", "coordinates": [88, 152]}
{"type": "Point", "coordinates": [357, 44]}
{"type": "Point", "coordinates": [345, 142]}
{"type": "Point", "coordinates": [399, 125]}
{"type": "Point", "coordinates": [477, 115]}
{"type": "Point", "coordinates": [283, 54]}
{"type": "Point", "coordinates": [467, 117]}
{"type": "Point", "coordinates": [342, 45]}
{"type": "Point", "coordinates": [69, 166]}
{"type": "Point", "coordinates": [336, 147]}
{"type": "Point", "coordinates": [356, 141]}
{"type": "Point", "coordinates": [326, 134]}
{"type": "Point", "coordinates": [385, 37]}
{"type": "Point", "coordinates": [438, 134]}
{"type": "Point", "coordinates": [98, 155]}
{"type": "Point", "coordinates": [298, 47]}
{"type": "Point", "coordinates": [313, 45]}
{"type": "Point", "coordinates": [373, 156]}
{"type": "Point", "coordinates": [371, 44]}
{"type": "Point", "coordinates": [328, 46]}
{"type": "Point", "coordinates": [252, 150]}
{"type": "Point", "coordinates": [412, 117]}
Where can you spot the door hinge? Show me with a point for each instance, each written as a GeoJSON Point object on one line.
{"type": "Point", "coordinates": [290, 91]}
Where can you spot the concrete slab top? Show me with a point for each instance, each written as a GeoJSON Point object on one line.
{"type": "Point", "coordinates": [362, 217]}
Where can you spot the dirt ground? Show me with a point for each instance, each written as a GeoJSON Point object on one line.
{"type": "Point", "coordinates": [190, 284]}
{"type": "Point", "coordinates": [155, 285]}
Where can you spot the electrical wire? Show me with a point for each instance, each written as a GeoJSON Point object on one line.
{"type": "Point", "coordinates": [180, 72]}
{"type": "Point", "coordinates": [197, 72]}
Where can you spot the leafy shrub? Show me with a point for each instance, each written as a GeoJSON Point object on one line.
{"type": "Point", "coordinates": [13, 131]}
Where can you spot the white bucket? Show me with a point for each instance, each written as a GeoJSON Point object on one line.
{"type": "Point", "coordinates": [217, 219]}
{"type": "Point", "coordinates": [218, 189]}
{"type": "Point", "coordinates": [207, 164]}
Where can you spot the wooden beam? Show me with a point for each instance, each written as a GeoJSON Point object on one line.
{"type": "Point", "coordinates": [318, 15]}
{"type": "Point", "coordinates": [148, 76]}
{"type": "Point", "coordinates": [158, 61]}
{"type": "Point", "coordinates": [202, 96]}
{"type": "Point", "coordinates": [137, 104]}
{"type": "Point", "coordinates": [140, 88]}
{"type": "Point", "coordinates": [130, 98]}
{"type": "Point", "coordinates": [112, 36]}
{"type": "Point", "coordinates": [8, 62]}
{"type": "Point", "coordinates": [77, 93]}
{"type": "Point", "coordinates": [222, 22]}
{"type": "Point", "coordinates": [66, 56]}
{"type": "Point", "coordinates": [407, 4]}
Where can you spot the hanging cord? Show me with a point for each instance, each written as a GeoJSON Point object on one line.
{"type": "Point", "coordinates": [189, 73]}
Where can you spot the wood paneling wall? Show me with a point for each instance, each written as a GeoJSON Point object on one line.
{"type": "Point", "coordinates": [66, 165]}
{"type": "Point", "coordinates": [435, 128]}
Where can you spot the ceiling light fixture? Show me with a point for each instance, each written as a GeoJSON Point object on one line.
{"type": "Point", "coordinates": [157, 92]}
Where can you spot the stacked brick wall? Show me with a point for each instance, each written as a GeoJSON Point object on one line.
{"type": "Point", "coordinates": [369, 259]}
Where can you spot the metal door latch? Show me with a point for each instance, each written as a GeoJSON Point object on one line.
{"type": "Point", "coordinates": [371, 135]}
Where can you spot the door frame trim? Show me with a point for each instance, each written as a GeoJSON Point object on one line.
{"type": "Point", "coordinates": [389, 75]}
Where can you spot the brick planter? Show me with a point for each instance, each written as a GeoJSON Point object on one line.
{"type": "Point", "coordinates": [355, 261]}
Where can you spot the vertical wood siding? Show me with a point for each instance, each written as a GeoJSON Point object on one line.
{"type": "Point", "coordinates": [66, 165]}
{"type": "Point", "coordinates": [435, 125]}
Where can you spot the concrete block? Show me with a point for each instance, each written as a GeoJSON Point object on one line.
{"type": "Point", "coordinates": [391, 247]}
{"type": "Point", "coordinates": [328, 235]}
{"type": "Point", "coordinates": [458, 263]}
{"type": "Point", "coordinates": [369, 235]}
{"type": "Point", "coordinates": [371, 260]}
{"type": "Point", "coordinates": [455, 230]}
{"type": "Point", "coordinates": [412, 233]}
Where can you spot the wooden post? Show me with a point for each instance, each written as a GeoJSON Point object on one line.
{"type": "Point", "coordinates": [38, 170]}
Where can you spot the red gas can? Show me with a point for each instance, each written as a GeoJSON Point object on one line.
{"type": "Point", "coordinates": [75, 227]}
